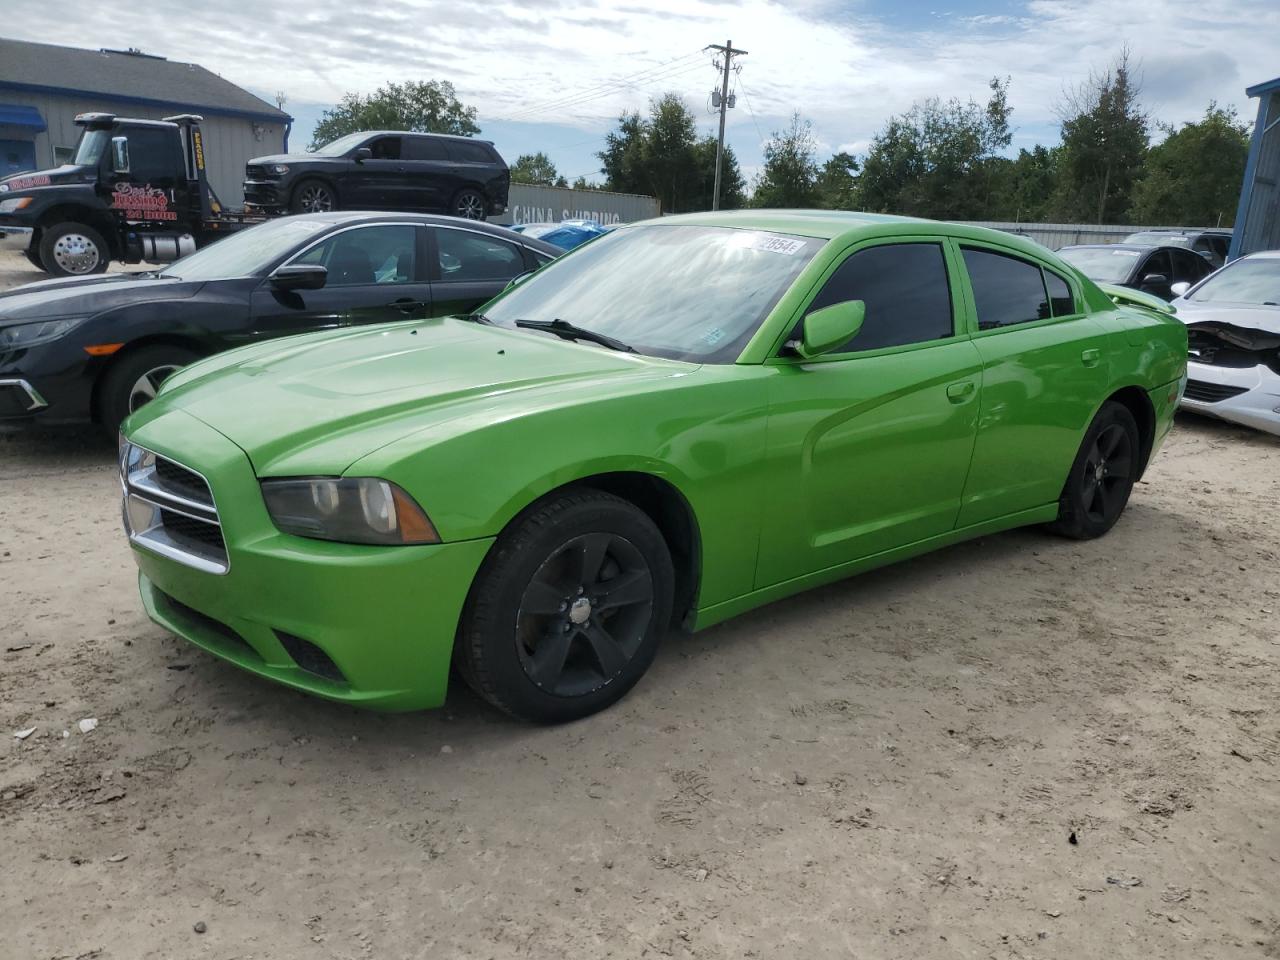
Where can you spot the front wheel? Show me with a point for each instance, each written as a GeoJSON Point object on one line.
{"type": "Point", "coordinates": [73, 250]}
{"type": "Point", "coordinates": [133, 380]}
{"type": "Point", "coordinates": [469, 204]}
{"type": "Point", "coordinates": [567, 612]}
{"type": "Point", "coordinates": [1102, 476]}
{"type": "Point", "coordinates": [312, 196]}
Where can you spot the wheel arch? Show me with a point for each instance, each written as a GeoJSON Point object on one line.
{"type": "Point", "coordinates": [128, 350]}
{"type": "Point", "coordinates": [99, 220]}
{"type": "Point", "coordinates": [1136, 401]}
{"type": "Point", "coordinates": [669, 509]}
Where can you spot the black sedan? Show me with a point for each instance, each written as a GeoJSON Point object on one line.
{"type": "Point", "coordinates": [97, 348]}
{"type": "Point", "coordinates": [1138, 266]}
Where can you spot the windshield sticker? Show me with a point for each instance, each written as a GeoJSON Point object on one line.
{"type": "Point", "coordinates": [712, 336]}
{"type": "Point", "coordinates": [770, 243]}
{"type": "Point", "coordinates": [1124, 253]}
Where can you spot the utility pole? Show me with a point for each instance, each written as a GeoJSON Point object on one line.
{"type": "Point", "coordinates": [728, 53]}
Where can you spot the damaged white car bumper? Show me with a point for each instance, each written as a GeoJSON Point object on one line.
{"type": "Point", "coordinates": [1249, 396]}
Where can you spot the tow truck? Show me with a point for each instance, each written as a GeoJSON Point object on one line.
{"type": "Point", "coordinates": [134, 191]}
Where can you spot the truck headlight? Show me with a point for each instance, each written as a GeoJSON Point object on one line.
{"type": "Point", "coordinates": [23, 335]}
{"type": "Point", "coordinates": [14, 204]}
{"type": "Point", "coordinates": [280, 169]}
{"type": "Point", "coordinates": [348, 510]}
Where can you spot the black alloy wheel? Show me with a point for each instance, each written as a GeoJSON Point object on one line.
{"type": "Point", "coordinates": [1102, 477]}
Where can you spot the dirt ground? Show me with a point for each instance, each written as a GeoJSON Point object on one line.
{"type": "Point", "coordinates": [1020, 747]}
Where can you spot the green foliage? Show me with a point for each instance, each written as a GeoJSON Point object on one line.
{"type": "Point", "coordinates": [1104, 144]}
{"type": "Point", "coordinates": [428, 106]}
{"type": "Point", "coordinates": [939, 159]}
{"type": "Point", "coordinates": [837, 183]}
{"type": "Point", "coordinates": [1024, 188]}
{"type": "Point", "coordinates": [536, 168]}
{"type": "Point", "coordinates": [789, 177]}
{"type": "Point", "coordinates": [1194, 176]}
{"type": "Point", "coordinates": [661, 155]}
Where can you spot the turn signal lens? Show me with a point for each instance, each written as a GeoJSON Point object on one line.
{"type": "Point", "coordinates": [103, 349]}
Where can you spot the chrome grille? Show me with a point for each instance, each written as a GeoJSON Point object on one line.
{"type": "Point", "coordinates": [169, 509]}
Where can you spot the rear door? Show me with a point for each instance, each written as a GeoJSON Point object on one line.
{"type": "Point", "coordinates": [429, 173]}
{"type": "Point", "coordinates": [871, 444]}
{"type": "Point", "coordinates": [376, 274]}
{"type": "Point", "coordinates": [470, 268]}
{"type": "Point", "coordinates": [1043, 376]}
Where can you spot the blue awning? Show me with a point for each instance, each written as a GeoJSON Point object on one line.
{"type": "Point", "coordinates": [14, 115]}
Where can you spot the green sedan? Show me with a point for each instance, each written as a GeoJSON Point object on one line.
{"type": "Point", "coordinates": [680, 421]}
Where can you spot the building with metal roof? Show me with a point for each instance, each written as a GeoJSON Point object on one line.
{"type": "Point", "coordinates": [1258, 216]}
{"type": "Point", "coordinates": [43, 87]}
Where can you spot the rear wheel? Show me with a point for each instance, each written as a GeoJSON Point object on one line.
{"type": "Point", "coordinates": [1102, 476]}
{"type": "Point", "coordinates": [469, 204]}
{"type": "Point", "coordinates": [567, 612]}
{"type": "Point", "coordinates": [313, 196]}
{"type": "Point", "coordinates": [133, 380]}
{"type": "Point", "coordinates": [73, 250]}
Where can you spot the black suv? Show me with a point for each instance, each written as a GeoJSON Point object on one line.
{"type": "Point", "coordinates": [383, 170]}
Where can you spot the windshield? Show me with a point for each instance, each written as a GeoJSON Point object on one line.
{"type": "Point", "coordinates": [92, 144]}
{"type": "Point", "coordinates": [1245, 281]}
{"type": "Point", "coordinates": [1159, 239]}
{"type": "Point", "coordinates": [245, 253]}
{"type": "Point", "coordinates": [682, 292]}
{"type": "Point", "coordinates": [1099, 263]}
{"type": "Point", "coordinates": [342, 145]}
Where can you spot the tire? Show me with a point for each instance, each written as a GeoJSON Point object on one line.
{"type": "Point", "coordinates": [469, 204]}
{"type": "Point", "coordinates": [73, 250]}
{"type": "Point", "coordinates": [313, 196]}
{"type": "Point", "coordinates": [536, 638]}
{"type": "Point", "coordinates": [132, 380]}
{"type": "Point", "coordinates": [1102, 476]}
{"type": "Point", "coordinates": [32, 253]}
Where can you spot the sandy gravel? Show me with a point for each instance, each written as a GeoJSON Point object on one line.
{"type": "Point", "coordinates": [891, 767]}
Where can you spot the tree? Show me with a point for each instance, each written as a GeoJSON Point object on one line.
{"type": "Point", "coordinates": [837, 184]}
{"type": "Point", "coordinates": [427, 106]}
{"type": "Point", "coordinates": [536, 168]}
{"type": "Point", "coordinates": [661, 155]}
{"type": "Point", "coordinates": [939, 159]}
{"type": "Point", "coordinates": [1104, 143]}
{"type": "Point", "coordinates": [1193, 177]}
{"type": "Point", "coordinates": [789, 177]}
{"type": "Point", "coordinates": [1025, 187]}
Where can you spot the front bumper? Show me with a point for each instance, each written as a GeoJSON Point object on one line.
{"type": "Point", "coordinates": [263, 193]}
{"type": "Point", "coordinates": [18, 398]}
{"type": "Point", "coordinates": [370, 626]}
{"type": "Point", "coordinates": [1249, 396]}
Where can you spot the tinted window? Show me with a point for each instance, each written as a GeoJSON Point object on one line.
{"type": "Point", "coordinates": [424, 148]}
{"type": "Point", "coordinates": [364, 255]}
{"type": "Point", "coordinates": [472, 256]}
{"type": "Point", "coordinates": [904, 286]}
{"type": "Point", "coordinates": [385, 148]}
{"type": "Point", "coordinates": [1159, 263]}
{"type": "Point", "coordinates": [1189, 267]}
{"type": "Point", "coordinates": [1006, 290]}
{"type": "Point", "coordinates": [465, 152]}
{"type": "Point", "coordinates": [1060, 297]}
{"type": "Point", "coordinates": [154, 156]}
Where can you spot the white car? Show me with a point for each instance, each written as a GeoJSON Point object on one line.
{"type": "Point", "coordinates": [1233, 332]}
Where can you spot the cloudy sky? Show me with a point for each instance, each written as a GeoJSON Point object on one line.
{"type": "Point", "coordinates": [554, 74]}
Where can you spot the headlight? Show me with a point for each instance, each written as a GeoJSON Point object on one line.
{"type": "Point", "coordinates": [29, 334]}
{"type": "Point", "coordinates": [14, 203]}
{"type": "Point", "coordinates": [348, 510]}
{"type": "Point", "coordinates": [280, 168]}
{"type": "Point", "coordinates": [4, 188]}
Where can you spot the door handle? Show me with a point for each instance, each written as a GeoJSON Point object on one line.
{"type": "Point", "coordinates": [960, 392]}
{"type": "Point", "coordinates": [407, 304]}
{"type": "Point", "coordinates": [1090, 357]}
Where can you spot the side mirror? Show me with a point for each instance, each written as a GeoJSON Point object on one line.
{"type": "Point", "coordinates": [831, 327]}
{"type": "Point", "coordinates": [1179, 288]}
{"type": "Point", "coordinates": [519, 278]}
{"type": "Point", "coordinates": [299, 276]}
{"type": "Point", "coordinates": [119, 154]}
{"type": "Point", "coordinates": [362, 154]}
{"type": "Point", "coordinates": [1155, 280]}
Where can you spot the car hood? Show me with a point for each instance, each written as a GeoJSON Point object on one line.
{"type": "Point", "coordinates": [286, 158]}
{"type": "Point", "coordinates": [85, 296]}
{"type": "Point", "coordinates": [1244, 315]}
{"type": "Point", "coordinates": [52, 177]}
{"type": "Point", "coordinates": [315, 404]}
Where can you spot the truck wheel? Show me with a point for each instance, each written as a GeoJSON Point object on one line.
{"type": "Point", "coordinates": [468, 204]}
{"type": "Point", "coordinates": [312, 196]}
{"type": "Point", "coordinates": [133, 380]}
{"type": "Point", "coordinates": [32, 253]}
{"type": "Point", "coordinates": [73, 250]}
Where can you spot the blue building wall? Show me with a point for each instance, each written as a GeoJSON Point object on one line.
{"type": "Point", "coordinates": [1258, 216]}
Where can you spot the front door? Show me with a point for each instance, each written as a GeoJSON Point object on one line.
{"type": "Point", "coordinates": [870, 446]}
{"type": "Point", "coordinates": [471, 268]}
{"type": "Point", "coordinates": [374, 276]}
{"type": "Point", "coordinates": [1043, 371]}
{"type": "Point", "coordinates": [154, 187]}
{"type": "Point", "coordinates": [379, 183]}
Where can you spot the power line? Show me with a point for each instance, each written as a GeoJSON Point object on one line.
{"type": "Point", "coordinates": [587, 98]}
{"type": "Point", "coordinates": [747, 97]}
{"type": "Point", "coordinates": [608, 87]}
